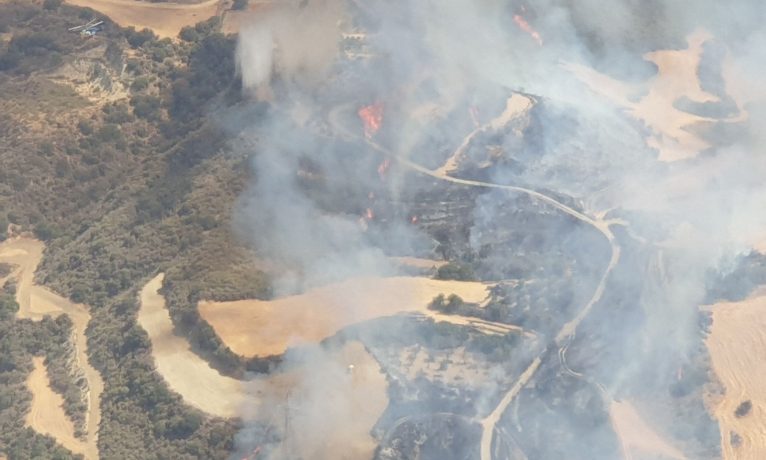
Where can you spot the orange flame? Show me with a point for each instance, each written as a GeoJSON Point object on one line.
{"type": "Point", "coordinates": [524, 25]}
{"type": "Point", "coordinates": [368, 214]}
{"type": "Point", "coordinates": [383, 168]}
{"type": "Point", "coordinates": [414, 219]}
{"type": "Point", "coordinates": [372, 116]}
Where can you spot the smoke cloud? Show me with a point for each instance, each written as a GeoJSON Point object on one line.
{"type": "Point", "coordinates": [644, 234]}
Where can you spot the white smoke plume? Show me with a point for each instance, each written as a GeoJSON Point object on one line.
{"type": "Point", "coordinates": [589, 141]}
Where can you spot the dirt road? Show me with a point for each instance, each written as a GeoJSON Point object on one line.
{"type": "Point", "coordinates": [184, 371]}
{"type": "Point", "coordinates": [567, 332]}
{"type": "Point", "coordinates": [37, 301]}
{"type": "Point", "coordinates": [324, 408]}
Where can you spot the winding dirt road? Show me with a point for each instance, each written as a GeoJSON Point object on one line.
{"type": "Point", "coordinates": [37, 301]}
{"type": "Point", "coordinates": [567, 332]}
{"type": "Point", "coordinates": [184, 371]}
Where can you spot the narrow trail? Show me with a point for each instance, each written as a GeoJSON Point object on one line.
{"type": "Point", "coordinates": [567, 333]}
{"type": "Point", "coordinates": [37, 301]}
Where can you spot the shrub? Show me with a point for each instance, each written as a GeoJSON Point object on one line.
{"type": "Point", "coordinates": [136, 39]}
{"type": "Point", "coordinates": [744, 408]}
{"type": "Point", "coordinates": [108, 133]}
{"type": "Point", "coordinates": [139, 84]}
{"type": "Point", "coordinates": [44, 231]}
{"type": "Point", "coordinates": [52, 5]}
{"type": "Point", "coordinates": [145, 106]}
{"type": "Point", "coordinates": [85, 127]}
{"type": "Point", "coordinates": [455, 271]}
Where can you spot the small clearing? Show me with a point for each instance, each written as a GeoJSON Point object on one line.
{"type": "Point", "coordinates": [638, 437]}
{"type": "Point", "coordinates": [263, 328]}
{"type": "Point", "coordinates": [737, 333]}
{"type": "Point", "coordinates": [47, 414]}
{"type": "Point", "coordinates": [166, 19]}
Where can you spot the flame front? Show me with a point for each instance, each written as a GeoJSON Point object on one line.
{"type": "Point", "coordinates": [524, 25]}
{"type": "Point", "coordinates": [372, 116]}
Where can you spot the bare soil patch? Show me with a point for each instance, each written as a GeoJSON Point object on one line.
{"type": "Point", "coordinates": [46, 414]}
{"type": "Point", "coordinates": [263, 328]}
{"type": "Point", "coordinates": [736, 336]}
{"type": "Point", "coordinates": [165, 19]}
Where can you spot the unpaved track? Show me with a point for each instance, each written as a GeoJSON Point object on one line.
{"type": "Point", "coordinates": [166, 19]}
{"type": "Point", "coordinates": [263, 328]}
{"type": "Point", "coordinates": [37, 301]}
{"type": "Point", "coordinates": [184, 371]}
{"type": "Point", "coordinates": [567, 332]}
{"type": "Point", "coordinates": [46, 414]}
{"type": "Point", "coordinates": [736, 342]}
{"type": "Point", "coordinates": [324, 411]}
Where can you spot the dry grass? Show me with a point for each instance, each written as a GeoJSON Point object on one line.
{"type": "Point", "coordinates": [338, 406]}
{"type": "Point", "coordinates": [737, 333]}
{"type": "Point", "coordinates": [234, 21]}
{"type": "Point", "coordinates": [672, 129]}
{"type": "Point", "coordinates": [636, 436]}
{"type": "Point", "coordinates": [165, 19]}
{"type": "Point", "coordinates": [263, 328]}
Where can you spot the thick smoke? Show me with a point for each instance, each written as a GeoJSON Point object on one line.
{"type": "Point", "coordinates": [427, 63]}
